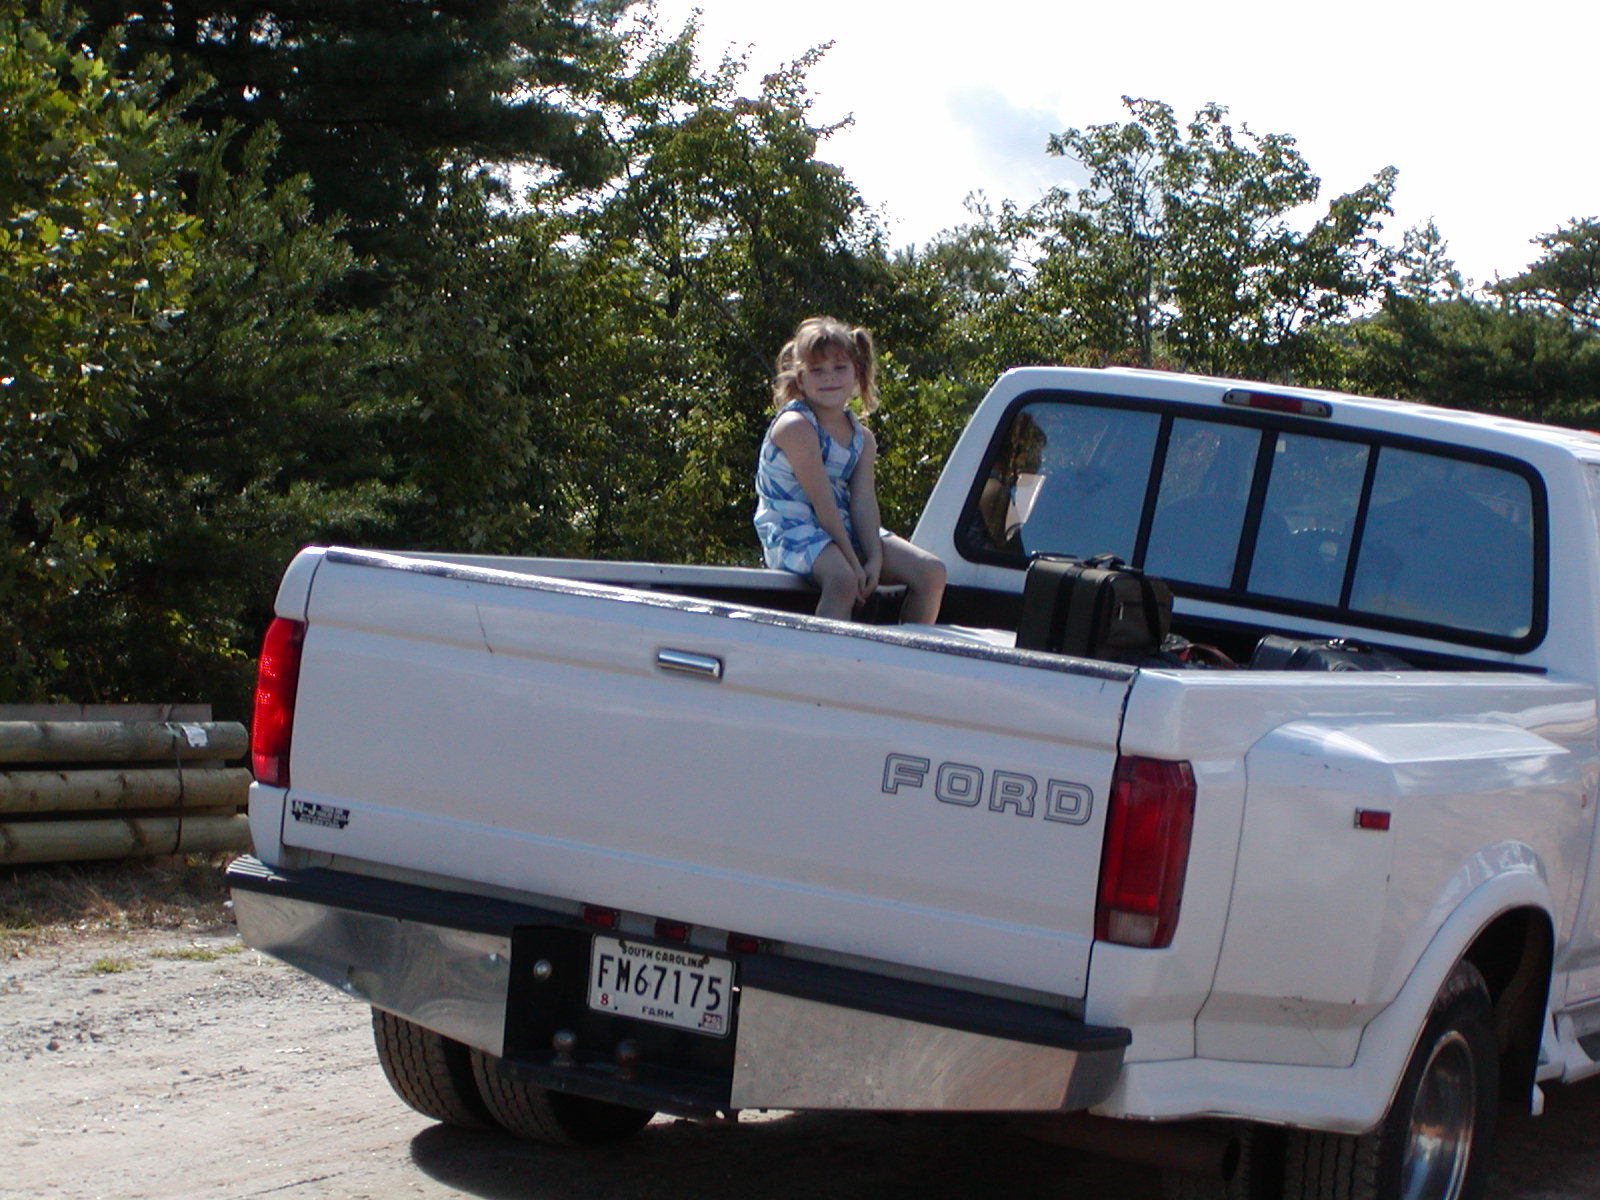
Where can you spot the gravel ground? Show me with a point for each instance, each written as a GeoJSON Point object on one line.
{"type": "Point", "coordinates": [187, 1067]}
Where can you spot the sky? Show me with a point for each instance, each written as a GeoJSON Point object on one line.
{"type": "Point", "coordinates": [1488, 112]}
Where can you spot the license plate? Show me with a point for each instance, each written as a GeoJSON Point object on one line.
{"type": "Point", "coordinates": [668, 986]}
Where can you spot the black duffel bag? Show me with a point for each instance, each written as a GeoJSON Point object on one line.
{"type": "Point", "coordinates": [1093, 608]}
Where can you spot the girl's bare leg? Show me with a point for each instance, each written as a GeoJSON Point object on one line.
{"type": "Point", "coordinates": [833, 575]}
{"type": "Point", "coordinates": [921, 572]}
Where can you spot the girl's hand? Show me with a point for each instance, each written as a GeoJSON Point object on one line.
{"type": "Point", "coordinates": [871, 570]}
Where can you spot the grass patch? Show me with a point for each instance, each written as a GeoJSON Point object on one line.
{"type": "Point", "coordinates": [44, 903]}
{"type": "Point", "coordinates": [199, 953]}
{"type": "Point", "coordinates": [111, 965]}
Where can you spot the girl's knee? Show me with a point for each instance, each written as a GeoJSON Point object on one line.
{"type": "Point", "coordinates": [923, 571]}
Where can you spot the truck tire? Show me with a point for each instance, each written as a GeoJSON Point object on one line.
{"type": "Point", "coordinates": [553, 1118]}
{"type": "Point", "coordinates": [1434, 1143]}
{"type": "Point", "coordinates": [430, 1072]}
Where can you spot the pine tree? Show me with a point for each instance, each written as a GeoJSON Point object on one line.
{"type": "Point", "coordinates": [377, 100]}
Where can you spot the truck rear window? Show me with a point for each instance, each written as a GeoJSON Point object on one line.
{"type": "Point", "coordinates": [1273, 513]}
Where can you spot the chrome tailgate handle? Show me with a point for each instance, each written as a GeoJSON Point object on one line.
{"type": "Point", "coordinates": [681, 662]}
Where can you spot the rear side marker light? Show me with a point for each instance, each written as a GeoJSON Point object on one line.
{"type": "Point", "coordinates": [1146, 852]}
{"type": "Point", "coordinates": [1372, 818]}
{"type": "Point", "coordinates": [272, 723]}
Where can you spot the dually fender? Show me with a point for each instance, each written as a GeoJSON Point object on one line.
{"type": "Point", "coordinates": [1339, 1099]}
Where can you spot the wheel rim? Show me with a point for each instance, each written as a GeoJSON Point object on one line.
{"type": "Point", "coordinates": [1439, 1141]}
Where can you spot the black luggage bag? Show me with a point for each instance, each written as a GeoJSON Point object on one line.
{"type": "Point", "coordinates": [1274, 652]}
{"type": "Point", "coordinates": [1096, 608]}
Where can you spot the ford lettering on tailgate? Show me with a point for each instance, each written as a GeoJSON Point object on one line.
{"type": "Point", "coordinates": [967, 786]}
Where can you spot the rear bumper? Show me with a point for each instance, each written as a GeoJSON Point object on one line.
{"type": "Point", "coordinates": [805, 1036]}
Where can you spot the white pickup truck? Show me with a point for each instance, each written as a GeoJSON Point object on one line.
{"type": "Point", "coordinates": [600, 840]}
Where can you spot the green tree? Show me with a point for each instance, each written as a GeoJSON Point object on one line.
{"type": "Point", "coordinates": [255, 431]}
{"type": "Point", "coordinates": [1182, 248]}
{"type": "Point", "coordinates": [1566, 278]}
{"type": "Point", "coordinates": [95, 259]}
{"type": "Point", "coordinates": [1521, 347]}
{"type": "Point", "coordinates": [378, 101]}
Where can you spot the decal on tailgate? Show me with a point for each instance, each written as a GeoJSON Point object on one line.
{"type": "Point", "coordinates": [328, 816]}
{"type": "Point", "coordinates": [968, 786]}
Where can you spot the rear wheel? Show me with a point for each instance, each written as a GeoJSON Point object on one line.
{"type": "Point", "coordinates": [1434, 1142]}
{"type": "Point", "coordinates": [430, 1072]}
{"type": "Point", "coordinates": [554, 1118]}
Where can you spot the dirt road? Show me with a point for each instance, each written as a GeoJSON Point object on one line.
{"type": "Point", "coordinates": [190, 1068]}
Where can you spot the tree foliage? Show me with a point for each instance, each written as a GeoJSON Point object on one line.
{"type": "Point", "coordinates": [96, 257]}
{"type": "Point", "coordinates": [376, 101]}
{"type": "Point", "coordinates": [1523, 348]}
{"type": "Point", "coordinates": [1565, 280]}
{"type": "Point", "coordinates": [1182, 248]}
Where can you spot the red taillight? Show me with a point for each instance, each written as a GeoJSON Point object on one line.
{"type": "Point", "coordinates": [277, 675]}
{"type": "Point", "coordinates": [1146, 852]}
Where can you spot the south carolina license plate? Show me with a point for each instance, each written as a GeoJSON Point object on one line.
{"type": "Point", "coordinates": [668, 986]}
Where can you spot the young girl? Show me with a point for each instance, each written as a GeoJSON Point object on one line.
{"type": "Point", "coordinates": [816, 506]}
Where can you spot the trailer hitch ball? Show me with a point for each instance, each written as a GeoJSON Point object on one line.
{"type": "Point", "coordinates": [564, 1043]}
{"type": "Point", "coordinates": [627, 1060]}
{"type": "Point", "coordinates": [543, 969]}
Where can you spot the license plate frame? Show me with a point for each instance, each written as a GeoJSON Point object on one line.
{"type": "Point", "coordinates": [674, 986]}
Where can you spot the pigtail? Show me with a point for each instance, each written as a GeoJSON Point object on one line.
{"type": "Point", "coordinates": [866, 356]}
{"type": "Point", "coordinates": [786, 381]}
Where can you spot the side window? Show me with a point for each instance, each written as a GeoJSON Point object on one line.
{"type": "Point", "coordinates": [1313, 495]}
{"type": "Point", "coordinates": [1070, 479]}
{"type": "Point", "coordinates": [1447, 542]}
{"type": "Point", "coordinates": [1205, 489]}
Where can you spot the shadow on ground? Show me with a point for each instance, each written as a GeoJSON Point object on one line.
{"type": "Point", "coordinates": [795, 1157]}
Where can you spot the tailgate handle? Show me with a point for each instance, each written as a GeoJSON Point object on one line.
{"type": "Point", "coordinates": [681, 662]}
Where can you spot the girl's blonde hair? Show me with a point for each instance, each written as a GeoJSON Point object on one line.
{"type": "Point", "coordinates": [816, 336]}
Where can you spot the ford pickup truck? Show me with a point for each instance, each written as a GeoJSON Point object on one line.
{"type": "Point", "coordinates": [597, 840]}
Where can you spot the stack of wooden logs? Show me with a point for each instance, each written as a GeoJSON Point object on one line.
{"type": "Point", "coordinates": [119, 781]}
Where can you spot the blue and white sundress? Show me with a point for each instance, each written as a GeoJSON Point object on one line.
{"type": "Point", "coordinates": [791, 539]}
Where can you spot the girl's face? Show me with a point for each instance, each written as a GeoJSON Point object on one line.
{"type": "Point", "coordinates": [828, 379]}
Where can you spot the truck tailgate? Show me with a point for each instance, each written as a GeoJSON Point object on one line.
{"type": "Point", "coordinates": [896, 796]}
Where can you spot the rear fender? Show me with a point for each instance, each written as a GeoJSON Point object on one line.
{"type": "Point", "coordinates": [1338, 1099]}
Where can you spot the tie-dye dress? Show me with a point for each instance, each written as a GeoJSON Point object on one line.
{"type": "Point", "coordinates": [791, 539]}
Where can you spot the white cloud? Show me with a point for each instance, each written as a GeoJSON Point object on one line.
{"type": "Point", "coordinates": [1010, 142]}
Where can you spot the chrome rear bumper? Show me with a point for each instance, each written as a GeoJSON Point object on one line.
{"type": "Point", "coordinates": [807, 1036]}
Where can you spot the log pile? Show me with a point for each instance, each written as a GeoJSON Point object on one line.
{"type": "Point", "coordinates": [81, 782]}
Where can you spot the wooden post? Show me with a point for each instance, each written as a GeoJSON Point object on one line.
{"type": "Point", "coordinates": [118, 837]}
{"type": "Point", "coordinates": [120, 741]}
{"type": "Point", "coordinates": [130, 780]}
{"type": "Point", "coordinates": [202, 786]}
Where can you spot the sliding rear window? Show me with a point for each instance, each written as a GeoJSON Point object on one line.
{"type": "Point", "coordinates": [1273, 512]}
